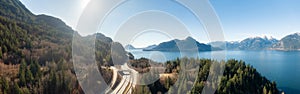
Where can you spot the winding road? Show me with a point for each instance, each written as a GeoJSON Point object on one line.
{"type": "Point", "coordinates": [129, 78]}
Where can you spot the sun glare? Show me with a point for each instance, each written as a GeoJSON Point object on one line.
{"type": "Point", "coordinates": [83, 3]}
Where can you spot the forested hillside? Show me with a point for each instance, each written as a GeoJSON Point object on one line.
{"type": "Point", "coordinates": [238, 78]}
{"type": "Point", "coordinates": [35, 52]}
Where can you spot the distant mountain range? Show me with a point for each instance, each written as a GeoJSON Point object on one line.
{"type": "Point", "coordinates": [150, 47]}
{"type": "Point", "coordinates": [255, 43]}
{"type": "Point", "coordinates": [289, 42]}
{"type": "Point", "coordinates": [131, 47]}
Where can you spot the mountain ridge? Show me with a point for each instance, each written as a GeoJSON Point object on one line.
{"type": "Point", "coordinates": [187, 44]}
{"type": "Point", "coordinates": [287, 43]}
{"type": "Point", "coordinates": [37, 52]}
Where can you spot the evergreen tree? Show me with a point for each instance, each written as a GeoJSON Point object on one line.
{"type": "Point", "coordinates": [52, 84]}
{"type": "Point", "coordinates": [29, 77]}
{"type": "Point", "coordinates": [16, 89]}
{"type": "Point", "coordinates": [4, 49]}
{"type": "Point", "coordinates": [35, 70]}
{"type": "Point", "coordinates": [0, 53]}
{"type": "Point", "coordinates": [22, 70]}
{"type": "Point", "coordinates": [5, 86]}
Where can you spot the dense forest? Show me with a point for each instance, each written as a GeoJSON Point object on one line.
{"type": "Point", "coordinates": [36, 53]}
{"type": "Point", "coordinates": [238, 78]}
{"type": "Point", "coordinates": [36, 58]}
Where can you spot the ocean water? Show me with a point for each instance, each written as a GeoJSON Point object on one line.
{"type": "Point", "coordinates": [283, 67]}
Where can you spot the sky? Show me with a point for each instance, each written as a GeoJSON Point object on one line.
{"type": "Point", "coordinates": [240, 19]}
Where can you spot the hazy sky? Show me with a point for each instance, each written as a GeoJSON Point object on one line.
{"type": "Point", "coordinates": [239, 18]}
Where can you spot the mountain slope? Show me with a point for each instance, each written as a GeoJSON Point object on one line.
{"type": "Point", "coordinates": [15, 10]}
{"type": "Point", "coordinates": [21, 37]}
{"type": "Point", "coordinates": [150, 47]}
{"type": "Point", "coordinates": [188, 44]}
{"type": "Point", "coordinates": [39, 48]}
{"type": "Point", "coordinates": [255, 43]}
{"type": "Point", "coordinates": [289, 42]}
{"type": "Point", "coordinates": [129, 47]}
{"type": "Point", "coordinates": [35, 47]}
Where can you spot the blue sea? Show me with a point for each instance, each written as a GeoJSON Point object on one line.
{"type": "Point", "coordinates": [283, 67]}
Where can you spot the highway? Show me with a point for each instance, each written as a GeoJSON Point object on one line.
{"type": "Point", "coordinates": [129, 78]}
